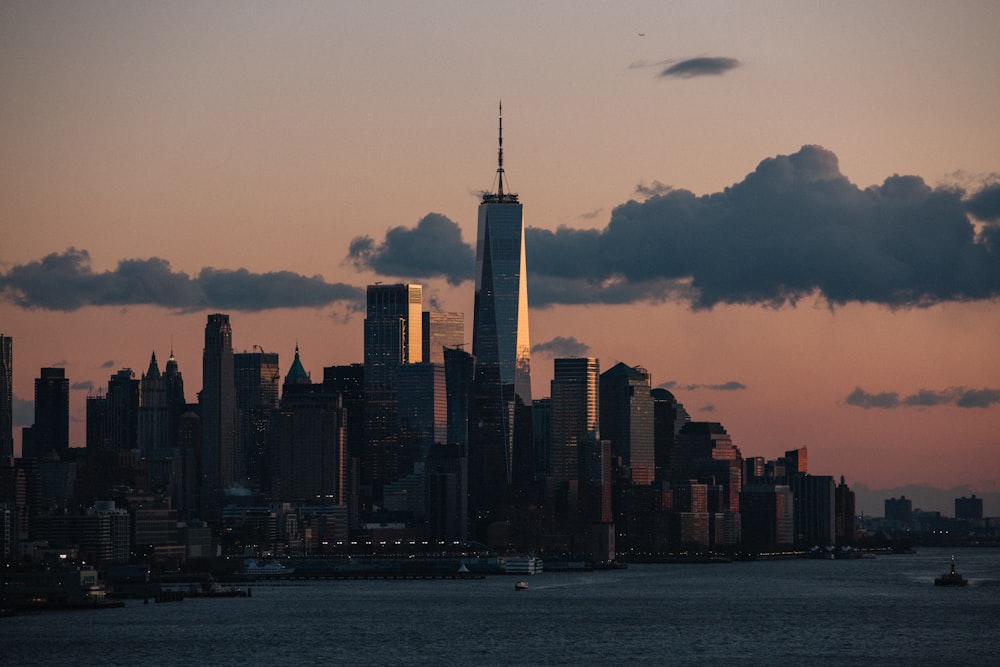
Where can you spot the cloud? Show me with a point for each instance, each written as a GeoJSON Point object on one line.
{"type": "Point", "coordinates": [86, 385]}
{"type": "Point", "coordinates": [66, 282]}
{"type": "Point", "coordinates": [562, 347]}
{"type": "Point", "coordinates": [674, 385]}
{"type": "Point", "coordinates": [978, 398]}
{"type": "Point", "coordinates": [985, 204]}
{"type": "Point", "coordinates": [703, 66]}
{"type": "Point", "coordinates": [925, 398]}
{"type": "Point", "coordinates": [23, 411]}
{"type": "Point", "coordinates": [110, 363]}
{"type": "Point", "coordinates": [432, 249]}
{"type": "Point", "coordinates": [707, 408]}
{"type": "Point", "coordinates": [793, 228]}
{"type": "Point", "coordinates": [862, 399]}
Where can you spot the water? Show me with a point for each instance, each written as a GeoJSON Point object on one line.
{"type": "Point", "coordinates": [882, 611]}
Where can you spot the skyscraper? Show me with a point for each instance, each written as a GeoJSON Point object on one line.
{"type": "Point", "coordinates": [500, 448]}
{"type": "Point", "coordinates": [393, 336]}
{"type": "Point", "coordinates": [173, 381]}
{"type": "Point", "coordinates": [123, 410]}
{"type": "Point", "coordinates": [218, 406]}
{"type": "Point", "coordinates": [441, 330]}
{"type": "Point", "coordinates": [575, 415]}
{"type": "Point", "coordinates": [627, 419]}
{"type": "Point", "coordinates": [257, 375]}
{"type": "Point", "coordinates": [50, 432]}
{"type": "Point", "coordinates": [154, 412]}
{"type": "Point", "coordinates": [6, 397]}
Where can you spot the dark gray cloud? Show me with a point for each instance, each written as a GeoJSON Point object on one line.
{"type": "Point", "coordinates": [432, 249]}
{"type": "Point", "coordinates": [66, 282]}
{"type": "Point", "coordinates": [562, 347]}
{"type": "Point", "coordinates": [85, 385]}
{"type": "Point", "coordinates": [925, 398]}
{"type": "Point", "coordinates": [110, 363]}
{"type": "Point", "coordinates": [702, 66]}
{"type": "Point", "coordinates": [732, 385]}
{"type": "Point", "coordinates": [23, 411]}
{"type": "Point", "coordinates": [794, 227]}
{"type": "Point", "coordinates": [978, 398]}
{"type": "Point", "coordinates": [985, 204]}
{"type": "Point", "coordinates": [862, 399]}
{"type": "Point", "coordinates": [707, 408]}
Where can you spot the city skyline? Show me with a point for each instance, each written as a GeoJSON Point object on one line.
{"type": "Point", "coordinates": [169, 163]}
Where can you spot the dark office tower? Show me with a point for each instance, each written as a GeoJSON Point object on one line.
{"type": "Point", "coordinates": [500, 450]}
{"type": "Point", "coordinates": [348, 383]}
{"type": "Point", "coordinates": [441, 330]}
{"type": "Point", "coordinates": [669, 417]}
{"type": "Point", "coordinates": [98, 423]}
{"type": "Point", "coordinates": [796, 462]}
{"type": "Point", "coordinates": [969, 509]}
{"type": "Point", "coordinates": [257, 375]}
{"type": "Point", "coordinates": [766, 511]}
{"type": "Point", "coordinates": [50, 432]}
{"type": "Point", "coordinates": [422, 405]}
{"type": "Point", "coordinates": [844, 513]}
{"type": "Point", "coordinates": [899, 511]}
{"type": "Point", "coordinates": [447, 500]}
{"type": "Point", "coordinates": [459, 371]}
{"type": "Point", "coordinates": [173, 383]}
{"type": "Point", "coordinates": [815, 520]}
{"type": "Point", "coordinates": [154, 412]}
{"type": "Point", "coordinates": [6, 397]}
{"type": "Point", "coordinates": [312, 458]}
{"type": "Point", "coordinates": [627, 419]}
{"type": "Point", "coordinates": [705, 452]}
{"type": "Point", "coordinates": [393, 334]}
{"type": "Point", "coordinates": [575, 415]}
{"type": "Point", "coordinates": [218, 407]}
{"type": "Point", "coordinates": [123, 410]}
{"type": "Point", "coordinates": [541, 425]}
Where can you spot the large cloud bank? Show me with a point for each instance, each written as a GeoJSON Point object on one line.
{"type": "Point", "coordinates": [792, 228]}
{"type": "Point", "coordinates": [65, 281]}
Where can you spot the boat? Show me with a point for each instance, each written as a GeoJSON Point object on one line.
{"type": "Point", "coordinates": [953, 578]}
{"type": "Point", "coordinates": [522, 565]}
{"type": "Point", "coordinates": [254, 568]}
{"type": "Point", "coordinates": [521, 586]}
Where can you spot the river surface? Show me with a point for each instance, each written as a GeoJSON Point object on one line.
{"type": "Point", "coordinates": [883, 611]}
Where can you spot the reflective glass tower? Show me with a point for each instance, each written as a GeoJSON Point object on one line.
{"type": "Point", "coordinates": [500, 458]}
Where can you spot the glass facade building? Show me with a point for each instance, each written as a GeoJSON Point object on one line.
{"type": "Point", "coordinates": [500, 454]}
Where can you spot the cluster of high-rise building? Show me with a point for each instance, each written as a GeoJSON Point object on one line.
{"type": "Point", "coordinates": [421, 440]}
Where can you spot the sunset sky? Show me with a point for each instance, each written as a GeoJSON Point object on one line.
{"type": "Point", "coordinates": [789, 212]}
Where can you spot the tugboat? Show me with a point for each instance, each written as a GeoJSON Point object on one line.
{"type": "Point", "coordinates": [953, 578]}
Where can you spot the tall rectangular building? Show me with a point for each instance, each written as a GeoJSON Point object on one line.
{"type": "Point", "coordinates": [627, 419]}
{"type": "Point", "coordinates": [392, 336]}
{"type": "Point", "coordinates": [500, 460]}
{"type": "Point", "coordinates": [256, 375]}
{"type": "Point", "coordinates": [440, 331]}
{"type": "Point", "coordinates": [575, 415]}
{"type": "Point", "coordinates": [6, 397]}
{"type": "Point", "coordinates": [218, 407]}
{"type": "Point", "coordinates": [50, 432]}
{"type": "Point", "coordinates": [123, 410]}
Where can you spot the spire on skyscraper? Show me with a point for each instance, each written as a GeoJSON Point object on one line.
{"type": "Point", "coordinates": [500, 195]}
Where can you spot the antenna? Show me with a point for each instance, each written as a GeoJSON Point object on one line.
{"type": "Point", "coordinates": [500, 155]}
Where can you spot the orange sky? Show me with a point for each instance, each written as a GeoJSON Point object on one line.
{"type": "Point", "coordinates": [267, 137]}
